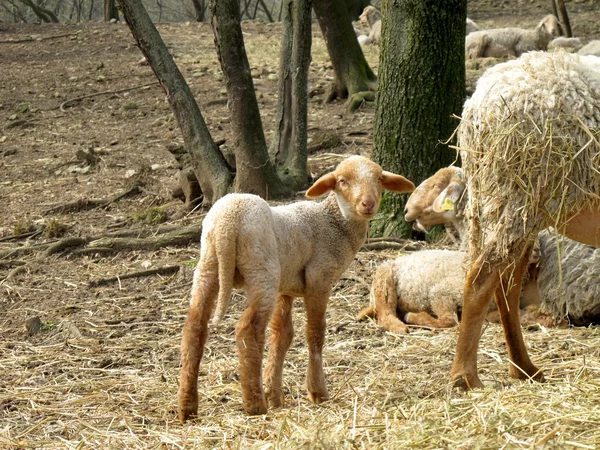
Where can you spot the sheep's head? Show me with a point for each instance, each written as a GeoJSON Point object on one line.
{"type": "Point", "coordinates": [434, 201]}
{"type": "Point", "coordinates": [369, 16]}
{"type": "Point", "coordinates": [549, 28]}
{"type": "Point", "coordinates": [358, 183]}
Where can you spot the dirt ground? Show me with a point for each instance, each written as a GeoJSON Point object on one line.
{"type": "Point", "coordinates": [82, 118]}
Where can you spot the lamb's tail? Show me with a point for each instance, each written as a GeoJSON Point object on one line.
{"type": "Point", "coordinates": [225, 248]}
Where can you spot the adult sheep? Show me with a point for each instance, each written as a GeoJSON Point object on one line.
{"type": "Point", "coordinates": [530, 144]}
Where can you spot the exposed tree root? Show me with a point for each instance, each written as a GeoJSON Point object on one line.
{"type": "Point", "coordinates": [167, 270]}
{"type": "Point", "coordinates": [64, 104]}
{"type": "Point", "coordinates": [84, 204]}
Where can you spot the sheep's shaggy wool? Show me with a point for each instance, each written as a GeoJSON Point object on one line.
{"type": "Point", "coordinates": [530, 144]}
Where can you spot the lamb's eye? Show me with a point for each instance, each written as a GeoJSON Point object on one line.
{"type": "Point", "coordinates": [342, 182]}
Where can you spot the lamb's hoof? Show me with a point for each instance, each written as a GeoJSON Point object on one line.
{"type": "Point", "coordinates": [531, 373]}
{"type": "Point", "coordinates": [318, 397]}
{"type": "Point", "coordinates": [275, 398]}
{"type": "Point", "coordinates": [256, 409]}
{"type": "Point", "coordinates": [188, 407]}
{"type": "Point", "coordinates": [467, 382]}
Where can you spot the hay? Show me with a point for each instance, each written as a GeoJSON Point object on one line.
{"type": "Point", "coordinates": [530, 143]}
{"type": "Point", "coordinates": [115, 385]}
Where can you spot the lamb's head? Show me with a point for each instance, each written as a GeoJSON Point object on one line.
{"type": "Point", "coordinates": [548, 28]}
{"type": "Point", "coordinates": [434, 201]}
{"type": "Point", "coordinates": [357, 183]}
{"type": "Point", "coordinates": [369, 16]}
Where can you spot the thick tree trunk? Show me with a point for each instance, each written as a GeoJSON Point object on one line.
{"type": "Point", "coordinates": [352, 72]}
{"type": "Point", "coordinates": [288, 146]}
{"type": "Point", "coordinates": [212, 171]}
{"type": "Point", "coordinates": [255, 173]}
{"type": "Point", "coordinates": [110, 10]}
{"type": "Point", "coordinates": [421, 85]}
{"type": "Point", "coordinates": [199, 9]}
{"type": "Point", "coordinates": [355, 7]}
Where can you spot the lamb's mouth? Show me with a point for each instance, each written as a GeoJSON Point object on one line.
{"type": "Point", "coordinates": [417, 226]}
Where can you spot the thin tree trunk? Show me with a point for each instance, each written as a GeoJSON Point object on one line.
{"type": "Point", "coordinates": [211, 170]}
{"type": "Point", "coordinates": [110, 10]}
{"type": "Point", "coordinates": [288, 145]}
{"type": "Point", "coordinates": [255, 173]}
{"type": "Point", "coordinates": [564, 18]}
{"type": "Point", "coordinates": [42, 13]}
{"type": "Point", "coordinates": [421, 85]}
{"type": "Point", "coordinates": [352, 72]}
{"type": "Point", "coordinates": [200, 10]}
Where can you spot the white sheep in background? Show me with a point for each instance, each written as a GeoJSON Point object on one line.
{"type": "Point", "coordinates": [500, 42]}
{"type": "Point", "coordinates": [371, 17]}
{"type": "Point", "coordinates": [571, 44]}
{"type": "Point", "coordinates": [591, 48]}
{"type": "Point", "coordinates": [276, 254]}
{"type": "Point", "coordinates": [471, 27]}
{"type": "Point", "coordinates": [530, 145]}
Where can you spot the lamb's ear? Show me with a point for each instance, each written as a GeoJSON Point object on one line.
{"type": "Point", "coordinates": [448, 197]}
{"type": "Point", "coordinates": [323, 185]}
{"type": "Point", "coordinates": [396, 183]}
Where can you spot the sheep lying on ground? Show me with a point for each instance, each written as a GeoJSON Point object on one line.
{"type": "Point", "coordinates": [371, 17]}
{"type": "Point", "coordinates": [591, 48]}
{"type": "Point", "coordinates": [501, 42]}
{"type": "Point", "coordinates": [571, 44]}
{"type": "Point", "coordinates": [471, 27]}
{"type": "Point", "coordinates": [276, 254]}
{"type": "Point", "coordinates": [530, 145]}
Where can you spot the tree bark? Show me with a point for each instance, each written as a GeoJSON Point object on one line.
{"type": "Point", "coordinates": [211, 169]}
{"type": "Point", "coordinates": [421, 85]}
{"type": "Point", "coordinates": [288, 145]}
{"type": "Point", "coordinates": [110, 10]}
{"type": "Point", "coordinates": [255, 172]}
{"type": "Point", "coordinates": [564, 18]}
{"type": "Point", "coordinates": [352, 72]}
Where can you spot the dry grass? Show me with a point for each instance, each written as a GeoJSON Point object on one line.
{"type": "Point", "coordinates": [112, 383]}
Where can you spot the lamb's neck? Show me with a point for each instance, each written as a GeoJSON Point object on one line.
{"type": "Point", "coordinates": [355, 228]}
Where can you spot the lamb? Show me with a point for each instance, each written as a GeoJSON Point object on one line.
{"type": "Point", "coordinates": [276, 254]}
{"type": "Point", "coordinates": [591, 48]}
{"type": "Point", "coordinates": [530, 145]}
{"type": "Point", "coordinates": [371, 17]}
{"type": "Point", "coordinates": [501, 42]}
{"type": "Point", "coordinates": [471, 27]}
{"type": "Point", "coordinates": [571, 44]}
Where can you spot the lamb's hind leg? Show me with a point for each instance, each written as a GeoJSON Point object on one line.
{"type": "Point", "coordinates": [250, 340]}
{"type": "Point", "coordinates": [195, 332]}
{"type": "Point", "coordinates": [507, 299]}
{"type": "Point", "coordinates": [424, 319]}
{"type": "Point", "coordinates": [316, 304]}
{"type": "Point", "coordinates": [282, 333]}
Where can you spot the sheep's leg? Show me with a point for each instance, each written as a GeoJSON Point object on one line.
{"type": "Point", "coordinates": [282, 333]}
{"type": "Point", "coordinates": [424, 319]}
{"type": "Point", "coordinates": [250, 339]}
{"type": "Point", "coordinates": [194, 337]}
{"type": "Point", "coordinates": [315, 336]}
{"type": "Point", "coordinates": [386, 300]}
{"type": "Point", "coordinates": [508, 307]}
{"type": "Point", "coordinates": [480, 284]}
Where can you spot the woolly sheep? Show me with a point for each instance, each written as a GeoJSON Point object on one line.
{"type": "Point", "coordinates": [471, 27]}
{"type": "Point", "coordinates": [591, 48]}
{"type": "Point", "coordinates": [276, 254]}
{"type": "Point", "coordinates": [501, 42]}
{"type": "Point", "coordinates": [530, 146]}
{"type": "Point", "coordinates": [566, 43]}
{"type": "Point", "coordinates": [371, 17]}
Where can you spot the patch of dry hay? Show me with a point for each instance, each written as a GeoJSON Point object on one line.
{"type": "Point", "coordinates": [114, 386]}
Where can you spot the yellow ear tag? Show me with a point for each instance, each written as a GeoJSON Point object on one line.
{"type": "Point", "coordinates": [447, 205]}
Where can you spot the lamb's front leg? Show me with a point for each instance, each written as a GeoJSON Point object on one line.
{"type": "Point", "coordinates": [316, 304]}
{"type": "Point", "coordinates": [282, 333]}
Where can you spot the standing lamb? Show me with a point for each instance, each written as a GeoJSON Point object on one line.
{"type": "Point", "coordinates": [276, 254]}
{"type": "Point", "coordinates": [530, 144]}
{"type": "Point", "coordinates": [500, 42]}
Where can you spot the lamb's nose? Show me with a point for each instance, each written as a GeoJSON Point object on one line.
{"type": "Point", "coordinates": [368, 204]}
{"type": "Point", "coordinates": [405, 210]}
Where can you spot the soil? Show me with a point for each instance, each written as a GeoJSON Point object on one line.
{"type": "Point", "coordinates": [81, 117]}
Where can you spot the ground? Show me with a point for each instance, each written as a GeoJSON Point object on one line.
{"type": "Point", "coordinates": [102, 372]}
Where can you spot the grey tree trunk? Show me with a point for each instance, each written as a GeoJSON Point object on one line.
{"type": "Point", "coordinates": [288, 145]}
{"type": "Point", "coordinates": [353, 76]}
{"type": "Point", "coordinates": [421, 85]}
{"type": "Point", "coordinates": [45, 15]}
{"type": "Point", "coordinates": [110, 10]}
{"type": "Point", "coordinates": [199, 9]}
{"type": "Point", "coordinates": [255, 172]}
{"type": "Point", "coordinates": [212, 172]}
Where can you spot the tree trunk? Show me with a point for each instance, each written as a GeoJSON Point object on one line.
{"type": "Point", "coordinates": [564, 18]}
{"type": "Point", "coordinates": [355, 7]}
{"type": "Point", "coordinates": [45, 15]}
{"type": "Point", "coordinates": [200, 10]}
{"type": "Point", "coordinates": [352, 72]}
{"type": "Point", "coordinates": [255, 173]}
{"type": "Point", "coordinates": [212, 171]}
{"type": "Point", "coordinates": [288, 146]}
{"type": "Point", "coordinates": [110, 10]}
{"type": "Point", "coordinates": [421, 85]}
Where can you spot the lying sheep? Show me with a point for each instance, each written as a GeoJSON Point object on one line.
{"type": "Point", "coordinates": [276, 254]}
{"type": "Point", "coordinates": [371, 17]}
{"type": "Point", "coordinates": [591, 48]}
{"type": "Point", "coordinates": [501, 42]}
{"type": "Point", "coordinates": [571, 44]}
{"type": "Point", "coordinates": [471, 27]}
{"type": "Point", "coordinates": [530, 145]}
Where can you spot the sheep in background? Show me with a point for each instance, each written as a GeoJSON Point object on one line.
{"type": "Point", "coordinates": [591, 48]}
{"type": "Point", "coordinates": [530, 145]}
{"type": "Point", "coordinates": [570, 44]}
{"type": "Point", "coordinates": [471, 27]}
{"type": "Point", "coordinates": [501, 42]}
{"type": "Point", "coordinates": [276, 254]}
{"type": "Point", "coordinates": [371, 17]}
